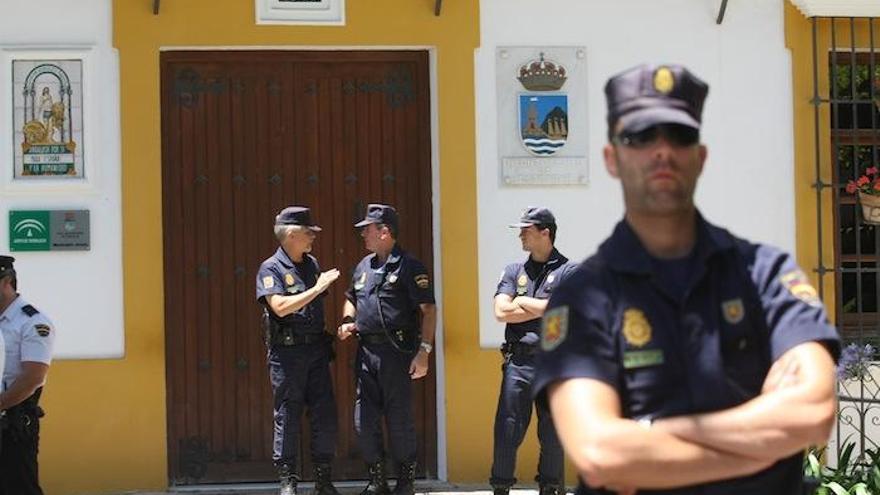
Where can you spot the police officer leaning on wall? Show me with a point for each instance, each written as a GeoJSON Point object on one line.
{"type": "Point", "coordinates": [680, 358]}
{"type": "Point", "coordinates": [29, 338]}
{"type": "Point", "coordinates": [520, 301]}
{"type": "Point", "coordinates": [291, 288]}
{"type": "Point", "coordinates": [391, 308]}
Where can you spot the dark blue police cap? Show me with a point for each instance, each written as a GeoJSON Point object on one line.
{"type": "Point", "coordinates": [296, 215]}
{"type": "Point", "coordinates": [535, 215]}
{"type": "Point", "coordinates": [6, 265]}
{"type": "Point", "coordinates": [649, 95]}
{"type": "Point", "coordinates": [377, 213]}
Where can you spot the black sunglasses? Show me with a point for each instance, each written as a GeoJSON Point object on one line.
{"type": "Point", "coordinates": [676, 134]}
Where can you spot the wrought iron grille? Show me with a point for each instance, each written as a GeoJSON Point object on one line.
{"type": "Point", "coordinates": [847, 127]}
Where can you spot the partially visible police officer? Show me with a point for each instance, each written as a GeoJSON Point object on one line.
{"type": "Point", "coordinates": [29, 338]}
{"type": "Point", "coordinates": [291, 287]}
{"type": "Point", "coordinates": [681, 359]}
{"type": "Point", "coordinates": [520, 301]}
{"type": "Point", "coordinates": [391, 308]}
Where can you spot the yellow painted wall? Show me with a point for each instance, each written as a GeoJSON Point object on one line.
{"type": "Point", "coordinates": [799, 39]}
{"type": "Point", "coordinates": [106, 427]}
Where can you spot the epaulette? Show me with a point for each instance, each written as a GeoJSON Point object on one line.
{"type": "Point", "coordinates": [29, 310]}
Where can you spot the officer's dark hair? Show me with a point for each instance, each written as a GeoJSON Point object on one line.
{"type": "Point", "coordinates": [391, 228]}
{"type": "Point", "coordinates": [10, 274]}
{"type": "Point", "coordinates": [548, 226]}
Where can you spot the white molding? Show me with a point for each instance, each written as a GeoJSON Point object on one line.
{"type": "Point", "coordinates": [838, 8]}
{"type": "Point", "coordinates": [291, 12]}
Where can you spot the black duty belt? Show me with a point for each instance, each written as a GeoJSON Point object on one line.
{"type": "Point", "coordinates": [301, 338]}
{"type": "Point", "coordinates": [373, 338]}
{"type": "Point", "coordinates": [519, 348]}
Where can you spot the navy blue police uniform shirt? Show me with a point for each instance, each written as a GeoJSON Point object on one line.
{"type": "Point", "coordinates": [281, 275]}
{"type": "Point", "coordinates": [400, 285]}
{"type": "Point", "coordinates": [532, 279]}
{"type": "Point", "coordinates": [670, 352]}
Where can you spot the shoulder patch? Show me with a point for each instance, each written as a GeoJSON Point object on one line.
{"type": "Point", "coordinates": [43, 330]}
{"type": "Point", "coordinates": [422, 281]}
{"type": "Point", "coordinates": [29, 310]}
{"type": "Point", "coordinates": [554, 328]}
{"type": "Point", "coordinates": [268, 282]}
{"type": "Point", "coordinates": [798, 284]}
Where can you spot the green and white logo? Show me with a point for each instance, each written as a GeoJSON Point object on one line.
{"type": "Point", "coordinates": [29, 230]}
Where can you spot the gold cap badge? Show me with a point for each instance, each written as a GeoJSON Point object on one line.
{"type": "Point", "coordinates": [636, 329]}
{"type": "Point", "coordinates": [663, 80]}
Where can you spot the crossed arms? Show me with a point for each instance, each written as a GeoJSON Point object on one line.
{"type": "Point", "coordinates": [795, 409]}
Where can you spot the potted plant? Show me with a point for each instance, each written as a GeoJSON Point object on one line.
{"type": "Point", "coordinates": [868, 188]}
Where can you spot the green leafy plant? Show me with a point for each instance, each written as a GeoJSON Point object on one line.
{"type": "Point", "coordinates": [858, 475]}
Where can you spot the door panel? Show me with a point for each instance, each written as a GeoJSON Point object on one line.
{"type": "Point", "coordinates": [243, 135]}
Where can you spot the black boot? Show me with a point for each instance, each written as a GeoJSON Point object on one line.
{"type": "Point", "coordinates": [501, 488]}
{"type": "Point", "coordinates": [323, 480]}
{"type": "Point", "coordinates": [288, 480]}
{"type": "Point", "coordinates": [406, 475]}
{"type": "Point", "coordinates": [378, 484]}
{"type": "Point", "coordinates": [550, 489]}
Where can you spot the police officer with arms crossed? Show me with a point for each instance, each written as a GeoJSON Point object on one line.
{"type": "Point", "coordinates": [520, 301]}
{"type": "Point", "coordinates": [29, 337]}
{"type": "Point", "coordinates": [291, 288]}
{"type": "Point", "coordinates": [391, 308]}
{"type": "Point", "coordinates": [681, 359]}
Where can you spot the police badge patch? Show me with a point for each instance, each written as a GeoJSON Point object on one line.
{"type": "Point", "coordinates": [268, 282]}
{"type": "Point", "coordinates": [733, 311]}
{"type": "Point", "coordinates": [43, 330]}
{"type": "Point", "coordinates": [288, 279]}
{"type": "Point", "coordinates": [636, 329]}
{"type": "Point", "coordinates": [554, 328]}
{"type": "Point", "coordinates": [361, 282]}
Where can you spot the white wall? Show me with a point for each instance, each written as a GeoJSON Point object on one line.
{"type": "Point", "coordinates": [748, 183]}
{"type": "Point", "coordinates": [80, 291]}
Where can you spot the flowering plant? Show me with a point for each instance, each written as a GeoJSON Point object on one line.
{"type": "Point", "coordinates": [854, 360]}
{"type": "Point", "coordinates": [868, 183]}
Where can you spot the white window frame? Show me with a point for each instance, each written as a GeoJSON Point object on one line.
{"type": "Point", "coordinates": [319, 13]}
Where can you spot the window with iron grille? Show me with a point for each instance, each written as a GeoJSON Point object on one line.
{"type": "Point", "coordinates": [855, 146]}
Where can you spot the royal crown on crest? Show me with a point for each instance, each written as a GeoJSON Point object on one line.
{"type": "Point", "coordinates": [542, 75]}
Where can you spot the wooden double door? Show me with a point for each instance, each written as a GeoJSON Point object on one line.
{"type": "Point", "coordinates": [244, 134]}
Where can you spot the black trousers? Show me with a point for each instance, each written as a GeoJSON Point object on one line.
{"type": "Point", "coordinates": [384, 388]}
{"type": "Point", "coordinates": [512, 419]}
{"type": "Point", "coordinates": [19, 473]}
{"type": "Point", "coordinates": [301, 381]}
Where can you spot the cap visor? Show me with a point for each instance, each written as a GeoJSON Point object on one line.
{"type": "Point", "coordinates": [364, 222]}
{"type": "Point", "coordinates": [520, 225]}
{"type": "Point", "coordinates": [640, 120]}
{"type": "Point", "coordinates": [315, 228]}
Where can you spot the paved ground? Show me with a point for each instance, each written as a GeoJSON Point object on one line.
{"type": "Point", "coordinates": [346, 488]}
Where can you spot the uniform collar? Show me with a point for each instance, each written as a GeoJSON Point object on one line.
{"type": "Point", "coordinates": [395, 255]}
{"type": "Point", "coordinates": [556, 258]}
{"type": "Point", "coordinates": [284, 259]}
{"type": "Point", "coordinates": [625, 252]}
{"type": "Point", "coordinates": [16, 305]}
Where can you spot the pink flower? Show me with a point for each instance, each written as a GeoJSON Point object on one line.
{"type": "Point", "coordinates": [851, 187]}
{"type": "Point", "coordinates": [871, 171]}
{"type": "Point", "coordinates": [877, 185]}
{"type": "Point", "coordinates": [862, 181]}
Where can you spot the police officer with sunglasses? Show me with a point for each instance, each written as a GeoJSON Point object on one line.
{"type": "Point", "coordinates": [681, 359]}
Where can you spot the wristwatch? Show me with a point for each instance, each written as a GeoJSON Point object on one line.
{"type": "Point", "coordinates": [426, 347]}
